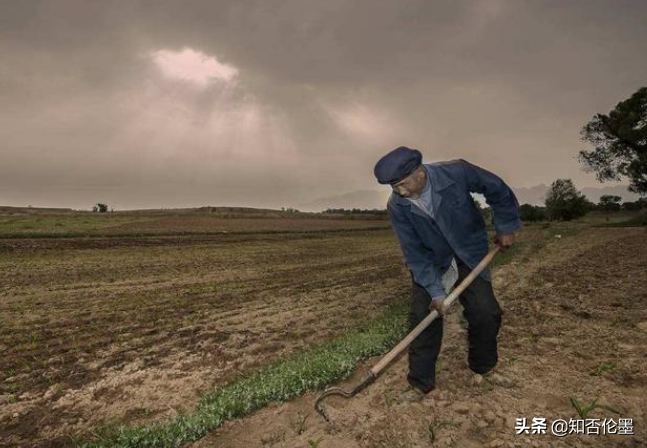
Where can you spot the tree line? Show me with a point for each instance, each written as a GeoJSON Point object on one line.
{"type": "Point", "coordinates": [619, 141]}
{"type": "Point", "coordinates": [564, 203]}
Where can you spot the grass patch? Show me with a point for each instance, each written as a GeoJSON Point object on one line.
{"type": "Point", "coordinates": [55, 225]}
{"type": "Point", "coordinates": [506, 256]}
{"type": "Point", "coordinates": [309, 370]}
{"type": "Point", "coordinates": [636, 221]}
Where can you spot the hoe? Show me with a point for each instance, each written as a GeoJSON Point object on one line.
{"type": "Point", "coordinates": [398, 349]}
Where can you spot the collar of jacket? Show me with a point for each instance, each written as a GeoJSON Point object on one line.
{"type": "Point", "coordinates": [439, 181]}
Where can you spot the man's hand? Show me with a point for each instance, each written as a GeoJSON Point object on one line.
{"type": "Point", "coordinates": [505, 241]}
{"type": "Point", "coordinates": [437, 303]}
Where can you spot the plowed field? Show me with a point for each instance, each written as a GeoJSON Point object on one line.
{"type": "Point", "coordinates": [98, 331]}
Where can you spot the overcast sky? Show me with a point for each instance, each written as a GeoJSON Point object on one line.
{"type": "Point", "coordinates": [269, 103]}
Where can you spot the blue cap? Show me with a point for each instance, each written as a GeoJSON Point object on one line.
{"type": "Point", "coordinates": [397, 165]}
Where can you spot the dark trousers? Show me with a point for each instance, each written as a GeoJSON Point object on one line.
{"type": "Point", "coordinates": [483, 315]}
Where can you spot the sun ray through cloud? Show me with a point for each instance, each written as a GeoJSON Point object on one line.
{"type": "Point", "coordinates": [193, 66]}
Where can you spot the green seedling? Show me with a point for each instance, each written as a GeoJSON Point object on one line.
{"type": "Point", "coordinates": [389, 399]}
{"type": "Point", "coordinates": [584, 411]}
{"type": "Point", "coordinates": [315, 443]}
{"type": "Point", "coordinates": [431, 432]}
{"type": "Point", "coordinates": [603, 368]}
{"type": "Point", "coordinates": [33, 341]}
{"type": "Point", "coordinates": [433, 426]}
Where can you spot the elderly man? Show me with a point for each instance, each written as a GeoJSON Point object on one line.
{"type": "Point", "coordinates": [437, 225]}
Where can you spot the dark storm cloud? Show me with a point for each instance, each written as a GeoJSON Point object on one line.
{"type": "Point", "coordinates": [323, 89]}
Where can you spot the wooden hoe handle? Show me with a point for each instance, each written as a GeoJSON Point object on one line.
{"type": "Point", "coordinates": [381, 365]}
{"type": "Point", "coordinates": [386, 360]}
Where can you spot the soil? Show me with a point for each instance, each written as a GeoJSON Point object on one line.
{"type": "Point", "coordinates": [105, 331]}
{"type": "Point", "coordinates": [570, 309]}
{"type": "Point", "coordinates": [94, 334]}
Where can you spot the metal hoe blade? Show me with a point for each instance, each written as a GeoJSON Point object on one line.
{"type": "Point", "coordinates": [319, 405]}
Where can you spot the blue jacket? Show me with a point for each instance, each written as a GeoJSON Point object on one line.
{"type": "Point", "coordinates": [458, 228]}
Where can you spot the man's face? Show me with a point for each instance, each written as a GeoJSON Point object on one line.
{"type": "Point", "coordinates": [411, 186]}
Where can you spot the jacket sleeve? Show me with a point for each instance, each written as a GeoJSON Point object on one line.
{"type": "Point", "coordinates": [498, 195]}
{"type": "Point", "coordinates": [417, 255]}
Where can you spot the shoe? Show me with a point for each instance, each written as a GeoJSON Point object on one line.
{"type": "Point", "coordinates": [494, 378]}
{"type": "Point", "coordinates": [411, 395]}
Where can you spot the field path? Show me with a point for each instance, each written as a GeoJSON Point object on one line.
{"type": "Point", "coordinates": [575, 325]}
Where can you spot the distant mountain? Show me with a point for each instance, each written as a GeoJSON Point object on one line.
{"type": "Point", "coordinates": [594, 193]}
{"type": "Point", "coordinates": [370, 199]}
{"type": "Point", "coordinates": [364, 199]}
{"type": "Point", "coordinates": [531, 195]}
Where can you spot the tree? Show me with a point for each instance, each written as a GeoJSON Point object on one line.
{"type": "Point", "coordinates": [564, 202]}
{"type": "Point", "coordinates": [532, 213]}
{"type": "Point", "coordinates": [636, 205]}
{"type": "Point", "coordinates": [101, 208]}
{"type": "Point", "coordinates": [620, 143]}
{"type": "Point", "coordinates": [609, 202]}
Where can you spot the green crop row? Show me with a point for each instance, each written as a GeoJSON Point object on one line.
{"type": "Point", "coordinates": [306, 371]}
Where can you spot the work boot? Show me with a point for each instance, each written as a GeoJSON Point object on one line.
{"type": "Point", "coordinates": [493, 378]}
